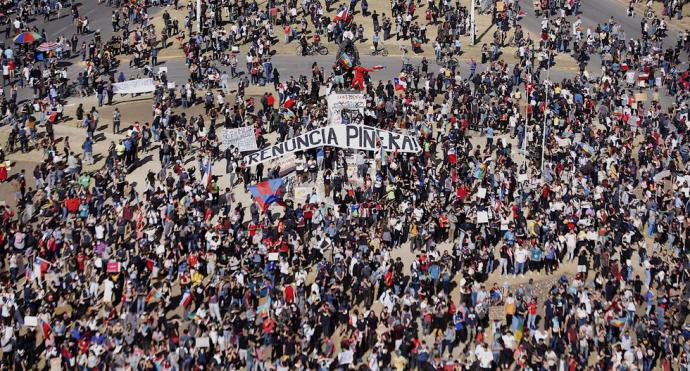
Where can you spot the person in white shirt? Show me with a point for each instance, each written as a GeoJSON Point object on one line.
{"type": "Point", "coordinates": [520, 260]}
{"type": "Point", "coordinates": [484, 356]}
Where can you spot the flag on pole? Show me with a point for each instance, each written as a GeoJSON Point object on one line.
{"type": "Point", "coordinates": [150, 264]}
{"type": "Point", "coordinates": [289, 103]}
{"type": "Point", "coordinates": [521, 13]}
{"type": "Point", "coordinates": [263, 310]}
{"type": "Point", "coordinates": [452, 155]}
{"type": "Point", "coordinates": [341, 16]}
{"type": "Point", "coordinates": [40, 267]}
{"type": "Point", "coordinates": [47, 329]}
{"type": "Point", "coordinates": [267, 192]}
{"type": "Point", "coordinates": [400, 83]}
{"type": "Point", "coordinates": [520, 330]}
{"type": "Point", "coordinates": [345, 60]}
{"type": "Point", "coordinates": [207, 174]}
{"type": "Point", "coordinates": [186, 299]}
{"type": "Point", "coordinates": [153, 294]}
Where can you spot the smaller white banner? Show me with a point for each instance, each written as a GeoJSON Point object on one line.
{"type": "Point", "coordinates": [242, 138]}
{"type": "Point", "coordinates": [134, 86]}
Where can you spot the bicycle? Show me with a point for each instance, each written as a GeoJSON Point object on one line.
{"type": "Point", "coordinates": [381, 50]}
{"type": "Point", "coordinates": [311, 50]}
{"type": "Point", "coordinates": [448, 61]}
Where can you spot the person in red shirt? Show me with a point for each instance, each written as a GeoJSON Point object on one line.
{"type": "Point", "coordinates": [532, 314]}
{"type": "Point", "coordinates": [358, 80]}
{"type": "Point", "coordinates": [289, 294]}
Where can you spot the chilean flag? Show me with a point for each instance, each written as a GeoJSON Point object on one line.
{"type": "Point", "coordinates": [206, 177]}
{"type": "Point", "coordinates": [186, 299]}
{"type": "Point", "coordinates": [47, 329]}
{"type": "Point", "coordinates": [400, 83]}
{"type": "Point", "coordinates": [452, 155]}
{"type": "Point", "coordinates": [341, 16]}
{"type": "Point", "coordinates": [40, 266]}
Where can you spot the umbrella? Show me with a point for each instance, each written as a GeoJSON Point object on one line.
{"type": "Point", "coordinates": [47, 46]}
{"type": "Point", "coordinates": [27, 37]}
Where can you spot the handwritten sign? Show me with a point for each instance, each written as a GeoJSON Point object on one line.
{"type": "Point", "coordinates": [242, 138]}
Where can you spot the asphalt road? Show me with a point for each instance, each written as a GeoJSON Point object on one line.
{"type": "Point", "coordinates": [592, 13]}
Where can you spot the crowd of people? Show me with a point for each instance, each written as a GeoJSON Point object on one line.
{"type": "Point", "coordinates": [543, 225]}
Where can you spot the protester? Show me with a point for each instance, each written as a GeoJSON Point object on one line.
{"type": "Point", "coordinates": [542, 224]}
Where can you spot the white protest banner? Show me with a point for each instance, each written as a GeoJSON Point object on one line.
{"type": "Point", "coordinates": [482, 217]}
{"type": "Point", "coordinates": [346, 108]}
{"type": "Point", "coordinates": [242, 138]}
{"type": "Point", "coordinates": [134, 86]}
{"type": "Point", "coordinates": [357, 137]}
{"type": "Point", "coordinates": [30, 321]}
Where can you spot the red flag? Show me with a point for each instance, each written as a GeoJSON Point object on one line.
{"type": "Point", "coordinates": [289, 103]}
{"type": "Point", "coordinates": [378, 67]}
{"type": "Point", "coordinates": [47, 329]}
{"type": "Point", "coordinates": [150, 264]}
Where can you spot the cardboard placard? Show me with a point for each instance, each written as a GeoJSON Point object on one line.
{"type": "Point", "coordinates": [273, 256]}
{"type": "Point", "coordinates": [113, 267]}
{"type": "Point", "coordinates": [481, 192]}
{"type": "Point", "coordinates": [482, 217]}
{"type": "Point", "coordinates": [203, 342]}
{"type": "Point", "coordinates": [30, 321]}
{"type": "Point", "coordinates": [497, 313]}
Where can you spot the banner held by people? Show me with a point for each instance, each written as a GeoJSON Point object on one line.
{"type": "Point", "coordinates": [358, 137]}
{"type": "Point", "coordinates": [134, 86]}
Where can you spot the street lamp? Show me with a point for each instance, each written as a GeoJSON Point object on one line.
{"type": "Point", "coordinates": [547, 82]}
{"type": "Point", "coordinates": [473, 24]}
{"type": "Point", "coordinates": [198, 16]}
